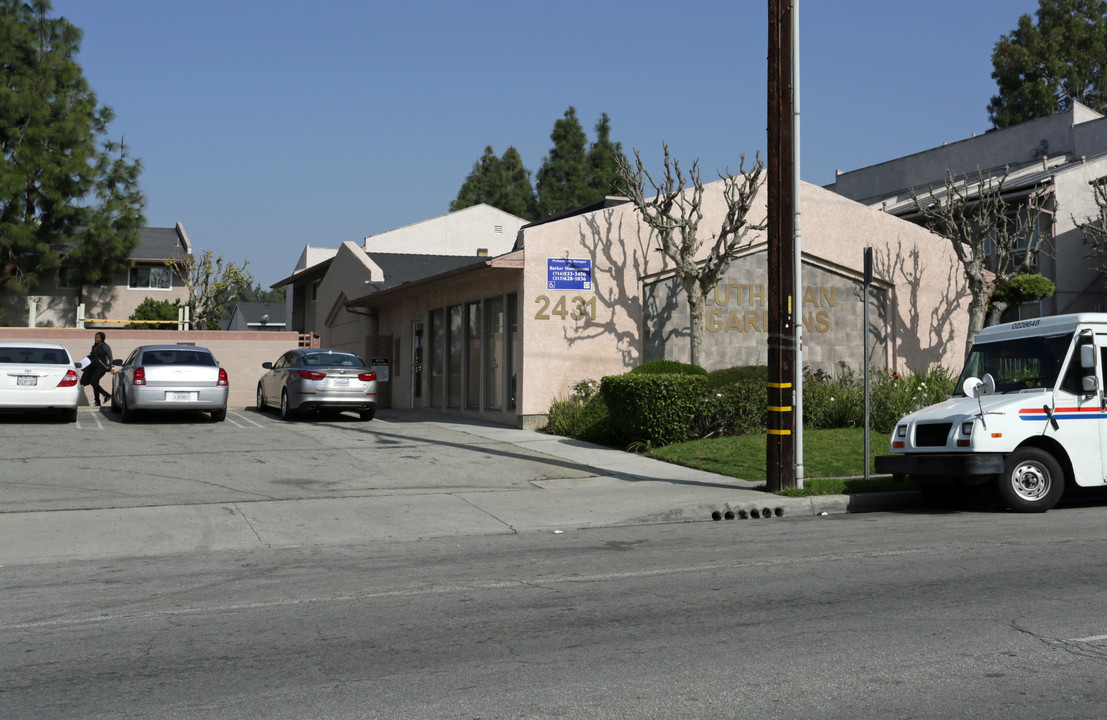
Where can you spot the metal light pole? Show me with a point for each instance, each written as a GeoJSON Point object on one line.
{"type": "Point", "coordinates": [798, 259]}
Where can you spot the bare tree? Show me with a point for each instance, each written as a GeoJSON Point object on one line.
{"type": "Point", "coordinates": [1094, 229]}
{"type": "Point", "coordinates": [995, 240]}
{"type": "Point", "coordinates": [212, 285]}
{"type": "Point", "coordinates": [675, 214]}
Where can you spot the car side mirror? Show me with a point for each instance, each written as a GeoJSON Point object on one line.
{"type": "Point", "coordinates": [117, 363]}
{"type": "Point", "coordinates": [267, 365]}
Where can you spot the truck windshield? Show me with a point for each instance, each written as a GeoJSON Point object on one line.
{"type": "Point", "coordinates": [1020, 364]}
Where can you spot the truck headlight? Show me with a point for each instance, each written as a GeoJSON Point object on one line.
{"type": "Point", "coordinates": [966, 427]}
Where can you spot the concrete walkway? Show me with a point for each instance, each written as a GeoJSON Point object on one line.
{"type": "Point", "coordinates": [625, 489]}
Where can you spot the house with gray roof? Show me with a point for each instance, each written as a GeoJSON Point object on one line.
{"type": "Point", "coordinates": [56, 304]}
{"type": "Point", "coordinates": [258, 316]}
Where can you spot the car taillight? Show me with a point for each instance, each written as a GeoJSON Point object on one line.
{"type": "Point", "coordinates": [366, 377]}
{"type": "Point", "coordinates": [69, 380]}
{"type": "Point", "coordinates": [139, 376]}
{"type": "Point", "coordinates": [309, 375]}
{"type": "Point", "coordinates": [223, 379]}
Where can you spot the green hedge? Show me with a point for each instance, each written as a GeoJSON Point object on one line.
{"type": "Point", "coordinates": [652, 409]}
{"type": "Point", "coordinates": [659, 409]}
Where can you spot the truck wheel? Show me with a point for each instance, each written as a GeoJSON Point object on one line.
{"type": "Point", "coordinates": [1032, 481]}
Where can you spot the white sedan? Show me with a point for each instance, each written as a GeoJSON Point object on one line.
{"type": "Point", "coordinates": [38, 376]}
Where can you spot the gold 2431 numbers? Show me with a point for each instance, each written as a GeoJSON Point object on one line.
{"type": "Point", "coordinates": [582, 308]}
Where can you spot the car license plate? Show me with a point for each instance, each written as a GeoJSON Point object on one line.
{"type": "Point", "coordinates": [180, 396]}
{"type": "Point", "coordinates": [342, 382]}
{"type": "Point", "coordinates": [26, 380]}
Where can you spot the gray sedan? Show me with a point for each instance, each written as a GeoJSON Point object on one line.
{"type": "Point", "coordinates": [169, 377]}
{"type": "Point", "coordinates": [307, 379]}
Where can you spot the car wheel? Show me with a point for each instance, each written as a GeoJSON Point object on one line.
{"type": "Point", "coordinates": [128, 413]}
{"type": "Point", "coordinates": [114, 404]}
{"type": "Point", "coordinates": [286, 411]}
{"type": "Point", "coordinates": [368, 413]}
{"type": "Point", "coordinates": [261, 399]}
{"type": "Point", "coordinates": [69, 415]}
{"type": "Point", "coordinates": [219, 415]}
{"type": "Point", "coordinates": [1032, 481]}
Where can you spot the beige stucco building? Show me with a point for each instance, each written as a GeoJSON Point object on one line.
{"type": "Point", "coordinates": [587, 295]}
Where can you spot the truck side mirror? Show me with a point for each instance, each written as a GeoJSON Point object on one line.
{"type": "Point", "coordinates": [1091, 384]}
{"type": "Point", "coordinates": [1087, 357]}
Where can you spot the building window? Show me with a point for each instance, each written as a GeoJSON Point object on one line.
{"type": "Point", "coordinates": [453, 358]}
{"type": "Point", "coordinates": [315, 289]}
{"type": "Point", "coordinates": [150, 278]}
{"type": "Point", "coordinates": [472, 355]}
{"type": "Point", "coordinates": [511, 350]}
{"type": "Point", "coordinates": [494, 353]}
{"type": "Point", "coordinates": [437, 358]}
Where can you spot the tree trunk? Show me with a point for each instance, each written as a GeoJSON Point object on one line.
{"type": "Point", "coordinates": [696, 313]}
{"type": "Point", "coordinates": [978, 308]}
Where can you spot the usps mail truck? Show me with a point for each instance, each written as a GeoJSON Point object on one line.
{"type": "Point", "coordinates": [1029, 415]}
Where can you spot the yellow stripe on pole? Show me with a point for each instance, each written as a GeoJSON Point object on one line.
{"type": "Point", "coordinates": [780, 385]}
{"type": "Point", "coordinates": [785, 408]}
{"type": "Point", "coordinates": [779, 432]}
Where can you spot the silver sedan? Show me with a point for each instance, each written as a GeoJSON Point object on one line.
{"type": "Point", "coordinates": [169, 377]}
{"type": "Point", "coordinates": [307, 379]}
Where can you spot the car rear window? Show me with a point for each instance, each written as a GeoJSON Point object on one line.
{"type": "Point", "coordinates": [34, 356]}
{"type": "Point", "coordinates": [177, 357]}
{"type": "Point", "coordinates": [332, 360]}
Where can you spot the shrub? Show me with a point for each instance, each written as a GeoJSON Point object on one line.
{"type": "Point", "coordinates": [895, 395]}
{"type": "Point", "coordinates": [667, 367]}
{"type": "Point", "coordinates": [652, 409]}
{"type": "Point", "coordinates": [564, 417]}
{"type": "Point", "coordinates": [594, 422]}
{"type": "Point", "coordinates": [833, 402]}
{"type": "Point", "coordinates": [151, 309]}
{"type": "Point", "coordinates": [740, 408]}
{"type": "Point", "coordinates": [726, 377]}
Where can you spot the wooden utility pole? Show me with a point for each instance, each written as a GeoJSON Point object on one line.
{"type": "Point", "coordinates": [780, 448]}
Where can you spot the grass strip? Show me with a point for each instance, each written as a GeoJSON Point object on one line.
{"type": "Point", "coordinates": [833, 460]}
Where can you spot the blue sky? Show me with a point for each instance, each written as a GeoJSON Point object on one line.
{"type": "Point", "coordinates": [267, 126]}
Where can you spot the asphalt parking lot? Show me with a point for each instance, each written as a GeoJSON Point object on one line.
{"type": "Point", "coordinates": [172, 459]}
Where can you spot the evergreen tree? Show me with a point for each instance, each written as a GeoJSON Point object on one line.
{"type": "Point", "coordinates": [1042, 69]}
{"type": "Point", "coordinates": [516, 193]}
{"type": "Point", "coordinates": [603, 162]}
{"type": "Point", "coordinates": [500, 182]}
{"type": "Point", "coordinates": [480, 183]}
{"type": "Point", "coordinates": [563, 179]}
{"type": "Point", "coordinates": [246, 293]}
{"type": "Point", "coordinates": [69, 198]}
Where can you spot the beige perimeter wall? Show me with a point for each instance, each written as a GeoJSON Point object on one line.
{"type": "Point", "coordinates": [239, 353]}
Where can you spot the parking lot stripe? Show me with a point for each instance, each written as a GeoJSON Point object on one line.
{"type": "Point", "coordinates": [94, 413]}
{"type": "Point", "coordinates": [242, 418]}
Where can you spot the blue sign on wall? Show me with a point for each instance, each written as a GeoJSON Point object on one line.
{"type": "Point", "coordinates": [568, 273]}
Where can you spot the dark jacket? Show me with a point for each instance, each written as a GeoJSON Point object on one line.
{"type": "Point", "coordinates": [100, 363]}
{"type": "Point", "coordinates": [100, 355]}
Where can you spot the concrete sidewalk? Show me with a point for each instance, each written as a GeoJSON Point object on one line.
{"type": "Point", "coordinates": [624, 489]}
